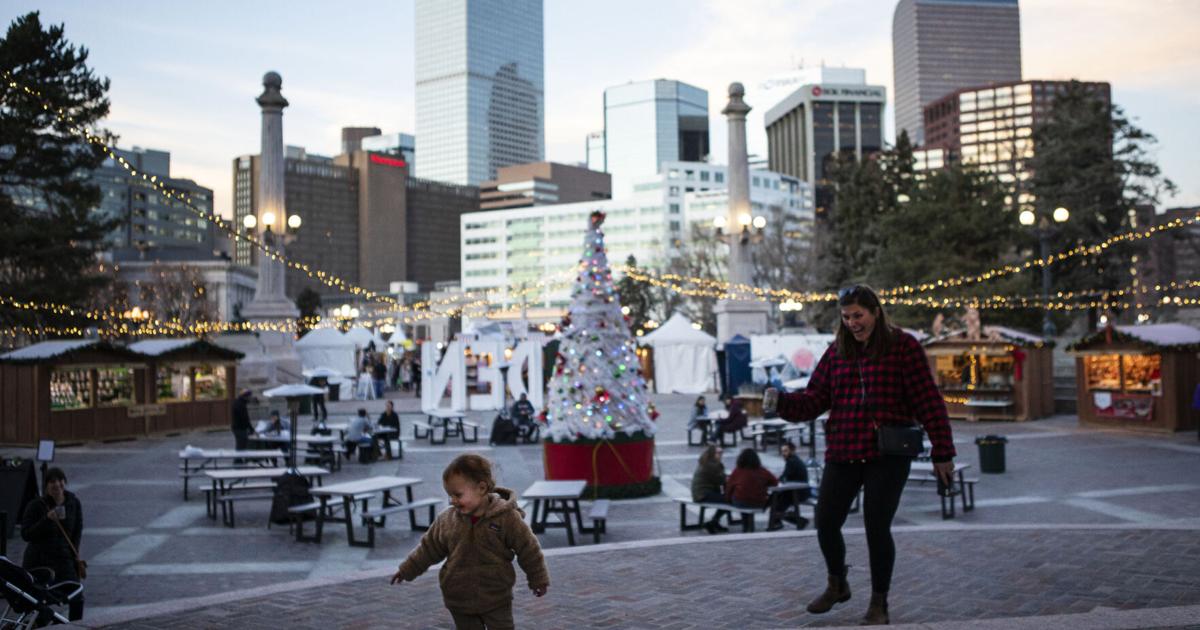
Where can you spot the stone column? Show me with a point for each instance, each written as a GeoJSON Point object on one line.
{"type": "Point", "coordinates": [739, 184]}
{"type": "Point", "coordinates": [277, 362]}
{"type": "Point", "coordinates": [739, 316]}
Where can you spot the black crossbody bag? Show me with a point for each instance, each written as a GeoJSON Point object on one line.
{"type": "Point", "coordinates": [899, 440]}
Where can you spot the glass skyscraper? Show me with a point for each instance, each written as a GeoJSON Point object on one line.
{"type": "Point", "coordinates": [651, 122]}
{"type": "Point", "coordinates": [480, 103]}
{"type": "Point", "coordinates": [939, 46]}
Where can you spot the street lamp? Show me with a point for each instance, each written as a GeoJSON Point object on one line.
{"type": "Point", "coordinates": [1044, 231]}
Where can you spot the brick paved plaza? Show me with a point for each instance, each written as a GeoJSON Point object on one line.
{"type": "Point", "coordinates": [1081, 521]}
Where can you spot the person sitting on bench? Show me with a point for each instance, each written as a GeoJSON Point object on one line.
{"type": "Point", "coordinates": [699, 410]}
{"type": "Point", "coordinates": [359, 433]}
{"type": "Point", "coordinates": [522, 416]}
{"type": "Point", "coordinates": [793, 471]}
{"type": "Point", "coordinates": [736, 421]}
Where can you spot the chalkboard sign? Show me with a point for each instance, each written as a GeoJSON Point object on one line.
{"type": "Point", "coordinates": [18, 486]}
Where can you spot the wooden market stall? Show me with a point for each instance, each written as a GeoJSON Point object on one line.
{"type": "Point", "coordinates": [1138, 377]}
{"type": "Point", "coordinates": [81, 390]}
{"type": "Point", "coordinates": [1004, 374]}
{"type": "Point", "coordinates": [71, 391]}
{"type": "Point", "coordinates": [191, 383]}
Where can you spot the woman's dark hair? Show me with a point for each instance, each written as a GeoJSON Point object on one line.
{"type": "Point", "coordinates": [701, 401]}
{"type": "Point", "coordinates": [749, 459]}
{"type": "Point", "coordinates": [54, 474]}
{"type": "Point", "coordinates": [473, 468]}
{"type": "Point", "coordinates": [709, 454]}
{"type": "Point", "coordinates": [882, 335]}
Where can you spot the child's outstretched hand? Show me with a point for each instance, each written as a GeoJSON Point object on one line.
{"type": "Point", "coordinates": [397, 578]}
{"type": "Point", "coordinates": [540, 590]}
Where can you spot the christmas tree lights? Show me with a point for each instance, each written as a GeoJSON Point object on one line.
{"type": "Point", "coordinates": [597, 389]}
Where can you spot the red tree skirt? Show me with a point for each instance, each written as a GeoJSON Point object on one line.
{"type": "Point", "coordinates": [600, 462]}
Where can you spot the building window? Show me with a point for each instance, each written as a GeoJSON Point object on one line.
{"type": "Point", "coordinates": [674, 208]}
{"type": "Point", "coordinates": [703, 176]}
{"type": "Point", "coordinates": [718, 177]}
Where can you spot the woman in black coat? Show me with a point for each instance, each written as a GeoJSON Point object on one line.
{"type": "Point", "coordinates": [48, 547]}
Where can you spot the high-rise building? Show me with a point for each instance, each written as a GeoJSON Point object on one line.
{"type": "Point", "coordinates": [401, 145]}
{"type": "Point", "coordinates": [352, 137]}
{"type": "Point", "coordinates": [479, 92]}
{"type": "Point", "coordinates": [651, 122]}
{"type": "Point", "coordinates": [543, 183]}
{"type": "Point", "coordinates": [594, 149]}
{"type": "Point", "coordinates": [815, 123]}
{"type": "Point", "coordinates": [939, 46]}
{"type": "Point", "coordinates": [153, 225]}
{"type": "Point", "coordinates": [363, 219]}
{"type": "Point", "coordinates": [991, 127]}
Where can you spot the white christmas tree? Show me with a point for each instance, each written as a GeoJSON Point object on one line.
{"type": "Point", "coordinates": [597, 389]}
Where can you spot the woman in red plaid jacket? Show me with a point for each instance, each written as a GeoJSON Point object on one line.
{"type": "Point", "coordinates": [873, 374]}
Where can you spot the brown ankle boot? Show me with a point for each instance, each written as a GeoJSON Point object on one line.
{"type": "Point", "coordinates": [836, 592]}
{"type": "Point", "coordinates": [877, 614]}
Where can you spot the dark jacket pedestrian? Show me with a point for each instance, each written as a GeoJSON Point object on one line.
{"type": "Point", "coordinates": [736, 420]}
{"type": "Point", "coordinates": [708, 485]}
{"type": "Point", "coordinates": [747, 484]}
{"type": "Point", "coordinates": [389, 418]}
{"type": "Point", "coordinates": [48, 546]}
{"type": "Point", "coordinates": [794, 470]}
{"type": "Point", "coordinates": [241, 420]}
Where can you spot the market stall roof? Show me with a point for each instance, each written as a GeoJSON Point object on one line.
{"type": "Point", "coordinates": [1172, 336]}
{"type": "Point", "coordinates": [991, 333]}
{"type": "Point", "coordinates": [363, 337]}
{"type": "Point", "coordinates": [324, 338]}
{"type": "Point", "coordinates": [677, 330]}
{"type": "Point", "coordinates": [165, 348]}
{"type": "Point", "coordinates": [64, 348]}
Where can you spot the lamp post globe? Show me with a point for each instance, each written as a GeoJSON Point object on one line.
{"type": "Point", "coordinates": [250, 221]}
{"type": "Point", "coordinates": [1061, 214]}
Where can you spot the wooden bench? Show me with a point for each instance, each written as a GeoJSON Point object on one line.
{"type": "Point", "coordinates": [211, 504]}
{"type": "Point", "coordinates": [377, 517]}
{"type": "Point", "coordinates": [598, 514]}
{"type": "Point", "coordinates": [965, 492]}
{"type": "Point", "coordinates": [746, 520]}
{"type": "Point", "coordinates": [423, 430]}
{"type": "Point", "coordinates": [227, 501]}
{"type": "Point", "coordinates": [474, 432]}
{"type": "Point", "coordinates": [296, 516]}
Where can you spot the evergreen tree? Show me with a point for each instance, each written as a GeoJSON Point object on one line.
{"type": "Point", "coordinates": [636, 297]}
{"type": "Point", "coordinates": [1091, 159]}
{"type": "Point", "coordinates": [597, 390]}
{"type": "Point", "coordinates": [309, 305]}
{"type": "Point", "coordinates": [47, 202]}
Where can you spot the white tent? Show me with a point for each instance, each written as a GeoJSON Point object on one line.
{"type": "Point", "coordinates": [329, 348]}
{"type": "Point", "coordinates": [685, 359]}
{"type": "Point", "coordinates": [361, 337]}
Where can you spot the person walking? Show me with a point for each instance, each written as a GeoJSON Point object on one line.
{"type": "Point", "coordinates": [53, 526]}
{"type": "Point", "coordinates": [873, 380]}
{"type": "Point", "coordinates": [478, 537]}
{"type": "Point", "coordinates": [241, 426]}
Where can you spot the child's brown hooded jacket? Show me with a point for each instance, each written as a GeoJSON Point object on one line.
{"type": "Point", "coordinates": [478, 576]}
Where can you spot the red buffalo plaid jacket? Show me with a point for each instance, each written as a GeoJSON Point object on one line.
{"type": "Point", "coordinates": [897, 388]}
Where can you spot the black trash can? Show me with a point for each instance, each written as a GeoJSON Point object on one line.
{"type": "Point", "coordinates": [991, 453]}
{"type": "Point", "coordinates": [335, 390]}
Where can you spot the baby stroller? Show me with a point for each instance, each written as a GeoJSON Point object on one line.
{"type": "Point", "coordinates": [31, 597]}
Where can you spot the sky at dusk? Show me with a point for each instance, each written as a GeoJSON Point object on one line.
{"type": "Point", "coordinates": [185, 74]}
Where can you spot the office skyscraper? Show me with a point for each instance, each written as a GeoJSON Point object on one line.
{"type": "Point", "coordinates": [939, 46]}
{"type": "Point", "coordinates": [651, 122]}
{"type": "Point", "coordinates": [479, 74]}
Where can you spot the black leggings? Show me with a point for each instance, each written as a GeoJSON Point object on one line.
{"type": "Point", "coordinates": [882, 481]}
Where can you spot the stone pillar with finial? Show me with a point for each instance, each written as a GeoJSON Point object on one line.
{"type": "Point", "coordinates": [739, 314]}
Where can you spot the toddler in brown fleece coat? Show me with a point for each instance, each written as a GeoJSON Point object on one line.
{"type": "Point", "coordinates": [478, 537]}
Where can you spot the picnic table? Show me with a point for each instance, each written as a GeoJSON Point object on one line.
{"type": "Point", "coordinates": [363, 490]}
{"type": "Point", "coordinates": [705, 424]}
{"type": "Point", "coordinates": [196, 461]}
{"type": "Point", "coordinates": [326, 445]}
{"type": "Point", "coordinates": [452, 423]}
{"type": "Point", "coordinates": [226, 480]}
{"type": "Point", "coordinates": [961, 486]}
{"type": "Point", "coordinates": [561, 497]}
